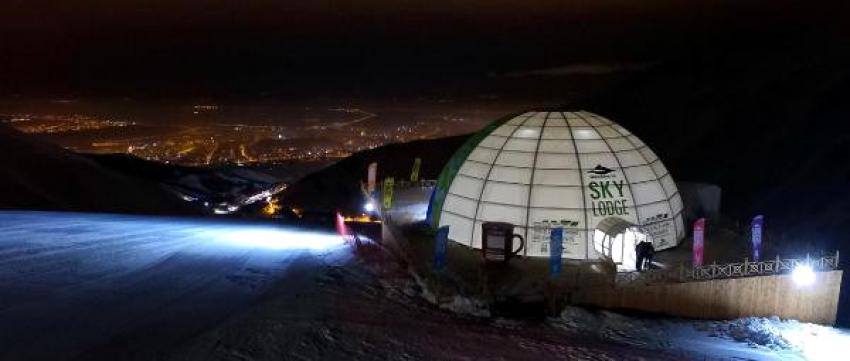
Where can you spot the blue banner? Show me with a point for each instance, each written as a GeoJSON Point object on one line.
{"type": "Point", "coordinates": [428, 217]}
{"type": "Point", "coordinates": [441, 242]}
{"type": "Point", "coordinates": [757, 225]}
{"type": "Point", "coordinates": [556, 248]}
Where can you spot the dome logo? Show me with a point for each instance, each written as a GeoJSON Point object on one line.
{"type": "Point", "coordinates": [600, 170]}
{"type": "Point", "coordinates": [606, 192]}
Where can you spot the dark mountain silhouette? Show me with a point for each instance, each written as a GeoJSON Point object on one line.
{"type": "Point", "coordinates": [36, 175]}
{"type": "Point", "coordinates": [338, 186]}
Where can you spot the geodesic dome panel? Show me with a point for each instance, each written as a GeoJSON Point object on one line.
{"type": "Point", "coordinates": [547, 169]}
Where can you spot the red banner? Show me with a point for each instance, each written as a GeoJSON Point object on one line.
{"type": "Point", "coordinates": [699, 241]}
{"type": "Point", "coordinates": [372, 177]}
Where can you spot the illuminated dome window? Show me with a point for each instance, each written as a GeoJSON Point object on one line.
{"type": "Point", "coordinates": [575, 170]}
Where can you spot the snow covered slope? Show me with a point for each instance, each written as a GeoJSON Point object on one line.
{"type": "Point", "coordinates": [79, 286]}
{"type": "Point", "coordinates": [97, 286]}
{"type": "Point", "coordinates": [751, 338]}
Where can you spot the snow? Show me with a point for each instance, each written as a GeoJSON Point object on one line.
{"type": "Point", "coordinates": [98, 286]}
{"type": "Point", "coordinates": [347, 313]}
{"type": "Point", "coordinates": [82, 283]}
{"type": "Point", "coordinates": [457, 304]}
{"type": "Point", "coordinates": [751, 338]}
{"type": "Point", "coordinates": [811, 341]}
{"type": "Point", "coordinates": [754, 331]}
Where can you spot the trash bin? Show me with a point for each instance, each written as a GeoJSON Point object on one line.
{"type": "Point", "coordinates": [497, 241]}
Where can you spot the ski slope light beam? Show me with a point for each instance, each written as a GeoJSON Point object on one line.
{"type": "Point", "coordinates": [280, 239]}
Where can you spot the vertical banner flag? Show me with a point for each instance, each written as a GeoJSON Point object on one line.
{"type": "Point", "coordinates": [389, 182]}
{"type": "Point", "coordinates": [556, 248]}
{"type": "Point", "coordinates": [414, 173]}
{"type": "Point", "coordinates": [699, 241]}
{"type": "Point", "coordinates": [372, 178]}
{"type": "Point", "coordinates": [441, 242]}
{"type": "Point", "coordinates": [758, 224]}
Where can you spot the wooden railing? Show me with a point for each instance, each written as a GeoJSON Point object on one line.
{"type": "Point", "coordinates": [728, 270]}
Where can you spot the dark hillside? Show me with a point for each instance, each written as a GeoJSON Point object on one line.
{"type": "Point", "coordinates": [37, 175]}
{"type": "Point", "coordinates": [338, 186]}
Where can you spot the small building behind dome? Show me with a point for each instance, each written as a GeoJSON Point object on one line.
{"type": "Point", "coordinates": [571, 169]}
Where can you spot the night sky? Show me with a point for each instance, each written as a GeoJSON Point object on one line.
{"type": "Point", "coordinates": [248, 48]}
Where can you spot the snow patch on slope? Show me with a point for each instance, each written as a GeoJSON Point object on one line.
{"type": "Point", "coordinates": [458, 304]}
{"type": "Point", "coordinates": [745, 338]}
{"type": "Point", "coordinates": [754, 331]}
{"type": "Point", "coordinates": [814, 342]}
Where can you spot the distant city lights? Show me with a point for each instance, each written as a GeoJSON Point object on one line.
{"type": "Point", "coordinates": [232, 136]}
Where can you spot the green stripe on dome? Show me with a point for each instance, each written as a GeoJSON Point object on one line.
{"type": "Point", "coordinates": [447, 175]}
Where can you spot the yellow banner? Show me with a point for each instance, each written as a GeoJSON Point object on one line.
{"type": "Point", "coordinates": [414, 174]}
{"type": "Point", "coordinates": [389, 182]}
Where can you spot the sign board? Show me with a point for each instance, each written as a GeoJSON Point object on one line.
{"type": "Point", "coordinates": [757, 226]}
{"type": "Point", "coordinates": [441, 242]}
{"type": "Point", "coordinates": [414, 173]}
{"type": "Point", "coordinates": [660, 227]}
{"type": "Point", "coordinates": [541, 233]}
{"type": "Point", "coordinates": [699, 241]}
{"type": "Point", "coordinates": [372, 178]}
{"type": "Point", "coordinates": [556, 240]}
{"type": "Point", "coordinates": [389, 182]}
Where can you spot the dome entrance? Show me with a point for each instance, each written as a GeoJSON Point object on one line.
{"type": "Point", "coordinates": [615, 239]}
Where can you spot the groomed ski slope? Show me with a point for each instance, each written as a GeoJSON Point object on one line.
{"type": "Point", "coordinates": [108, 287]}
{"type": "Point", "coordinates": [73, 283]}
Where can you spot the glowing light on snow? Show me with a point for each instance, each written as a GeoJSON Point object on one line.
{"type": "Point", "coordinates": [341, 229]}
{"type": "Point", "coordinates": [803, 275]}
{"type": "Point", "coordinates": [415, 212]}
{"type": "Point", "coordinates": [816, 342]}
{"type": "Point", "coordinates": [420, 211]}
{"type": "Point", "coordinates": [280, 239]}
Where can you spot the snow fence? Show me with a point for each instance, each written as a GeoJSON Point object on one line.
{"type": "Point", "coordinates": [762, 296]}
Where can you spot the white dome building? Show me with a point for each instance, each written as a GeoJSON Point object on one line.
{"type": "Point", "coordinates": [575, 170]}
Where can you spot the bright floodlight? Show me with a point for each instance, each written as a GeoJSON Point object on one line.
{"type": "Point", "coordinates": [803, 275]}
{"type": "Point", "coordinates": [369, 206]}
{"type": "Point", "coordinates": [277, 238]}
